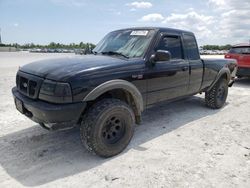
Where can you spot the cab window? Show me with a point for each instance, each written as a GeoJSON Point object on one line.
{"type": "Point", "coordinates": [191, 47]}
{"type": "Point", "coordinates": [171, 44]}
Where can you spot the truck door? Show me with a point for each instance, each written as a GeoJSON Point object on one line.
{"type": "Point", "coordinates": [195, 63]}
{"type": "Point", "coordinates": [168, 79]}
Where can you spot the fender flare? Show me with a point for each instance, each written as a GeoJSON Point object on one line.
{"type": "Point", "coordinates": [223, 71]}
{"type": "Point", "coordinates": [117, 84]}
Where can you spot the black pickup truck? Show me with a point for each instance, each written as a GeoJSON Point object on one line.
{"type": "Point", "coordinates": [105, 93]}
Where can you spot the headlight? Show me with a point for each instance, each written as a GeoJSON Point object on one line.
{"type": "Point", "coordinates": [55, 92]}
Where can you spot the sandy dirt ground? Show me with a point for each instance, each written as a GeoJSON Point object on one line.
{"type": "Point", "coordinates": [181, 144]}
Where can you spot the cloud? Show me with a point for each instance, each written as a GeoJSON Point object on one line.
{"type": "Point", "coordinates": [198, 23]}
{"type": "Point", "coordinates": [140, 5]}
{"type": "Point", "coordinates": [234, 22]}
{"type": "Point", "coordinates": [217, 2]}
{"type": "Point", "coordinates": [226, 22]}
{"type": "Point", "coordinates": [16, 24]}
{"type": "Point", "coordinates": [191, 20]}
{"type": "Point", "coordinates": [201, 25]}
{"type": "Point", "coordinates": [152, 18]}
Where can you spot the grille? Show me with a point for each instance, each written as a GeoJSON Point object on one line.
{"type": "Point", "coordinates": [28, 85]}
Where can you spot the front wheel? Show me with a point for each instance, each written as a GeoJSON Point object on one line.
{"type": "Point", "coordinates": [216, 97]}
{"type": "Point", "coordinates": [107, 127]}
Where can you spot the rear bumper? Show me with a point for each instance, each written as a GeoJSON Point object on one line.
{"type": "Point", "coordinates": [54, 116]}
{"type": "Point", "coordinates": [243, 71]}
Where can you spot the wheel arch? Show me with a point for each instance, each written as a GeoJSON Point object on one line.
{"type": "Point", "coordinates": [223, 73]}
{"type": "Point", "coordinates": [120, 89]}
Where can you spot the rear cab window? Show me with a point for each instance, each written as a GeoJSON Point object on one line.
{"type": "Point", "coordinates": [191, 47]}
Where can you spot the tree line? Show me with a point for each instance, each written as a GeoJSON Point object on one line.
{"type": "Point", "coordinates": [52, 45]}
{"type": "Point", "coordinates": [216, 47]}
{"type": "Point", "coordinates": [82, 45]}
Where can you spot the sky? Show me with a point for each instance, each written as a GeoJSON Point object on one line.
{"type": "Point", "coordinates": [216, 22]}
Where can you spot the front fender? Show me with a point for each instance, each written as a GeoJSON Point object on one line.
{"type": "Point", "coordinates": [117, 84]}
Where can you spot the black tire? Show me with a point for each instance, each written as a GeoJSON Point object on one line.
{"type": "Point", "coordinates": [216, 97]}
{"type": "Point", "coordinates": [107, 127]}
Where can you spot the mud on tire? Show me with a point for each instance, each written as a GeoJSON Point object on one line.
{"type": "Point", "coordinates": [107, 127]}
{"type": "Point", "coordinates": [216, 97]}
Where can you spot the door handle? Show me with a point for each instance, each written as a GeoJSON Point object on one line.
{"type": "Point", "coordinates": [184, 68]}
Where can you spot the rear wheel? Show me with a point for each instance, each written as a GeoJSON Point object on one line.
{"type": "Point", "coordinates": [216, 97]}
{"type": "Point", "coordinates": [107, 127]}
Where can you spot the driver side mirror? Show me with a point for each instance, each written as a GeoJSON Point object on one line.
{"type": "Point", "coordinates": [160, 55]}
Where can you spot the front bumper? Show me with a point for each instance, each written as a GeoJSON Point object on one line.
{"type": "Point", "coordinates": [53, 116]}
{"type": "Point", "coordinates": [243, 71]}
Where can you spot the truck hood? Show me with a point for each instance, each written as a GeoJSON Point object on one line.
{"type": "Point", "coordinates": [59, 69]}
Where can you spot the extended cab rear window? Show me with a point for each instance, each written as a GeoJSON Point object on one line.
{"type": "Point", "coordinates": [240, 50]}
{"type": "Point", "coordinates": [191, 47]}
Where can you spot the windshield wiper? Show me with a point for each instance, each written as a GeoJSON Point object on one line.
{"type": "Point", "coordinates": [115, 53]}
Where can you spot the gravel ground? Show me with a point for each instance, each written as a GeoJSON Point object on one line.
{"type": "Point", "coordinates": [182, 144]}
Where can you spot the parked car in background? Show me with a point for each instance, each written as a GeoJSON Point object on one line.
{"type": "Point", "coordinates": [212, 52]}
{"type": "Point", "coordinates": [241, 53]}
{"type": "Point", "coordinates": [79, 51]}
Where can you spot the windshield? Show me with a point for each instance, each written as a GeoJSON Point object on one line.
{"type": "Point", "coordinates": [128, 43]}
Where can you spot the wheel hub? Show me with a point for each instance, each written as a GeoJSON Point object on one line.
{"type": "Point", "coordinates": [221, 93]}
{"type": "Point", "coordinates": [113, 130]}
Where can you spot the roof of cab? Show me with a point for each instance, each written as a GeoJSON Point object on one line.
{"type": "Point", "coordinates": [161, 29]}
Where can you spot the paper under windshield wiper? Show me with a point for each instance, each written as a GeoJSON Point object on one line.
{"type": "Point", "coordinates": [114, 53]}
